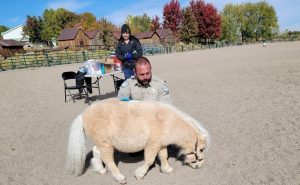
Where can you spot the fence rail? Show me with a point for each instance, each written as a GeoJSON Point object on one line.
{"type": "Point", "coordinates": [49, 58]}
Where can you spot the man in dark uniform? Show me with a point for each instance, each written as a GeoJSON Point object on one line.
{"type": "Point", "coordinates": [128, 50]}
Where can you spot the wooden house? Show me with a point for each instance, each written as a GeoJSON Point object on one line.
{"type": "Point", "coordinates": [9, 47]}
{"type": "Point", "coordinates": [166, 36]}
{"type": "Point", "coordinates": [72, 38]}
{"type": "Point", "coordinates": [161, 36]}
{"type": "Point", "coordinates": [148, 38]}
{"type": "Point", "coordinates": [95, 40]}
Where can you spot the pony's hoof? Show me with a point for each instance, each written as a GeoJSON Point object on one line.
{"type": "Point", "coordinates": [97, 168]}
{"type": "Point", "coordinates": [167, 170]}
{"type": "Point", "coordinates": [121, 179]}
{"type": "Point", "coordinates": [139, 173]}
{"type": "Point", "coordinates": [103, 171]}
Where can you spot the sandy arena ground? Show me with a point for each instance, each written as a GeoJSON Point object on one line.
{"type": "Point", "coordinates": [247, 97]}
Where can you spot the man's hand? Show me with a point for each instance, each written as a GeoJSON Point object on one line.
{"type": "Point", "coordinates": [128, 56]}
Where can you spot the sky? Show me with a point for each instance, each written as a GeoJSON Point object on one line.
{"type": "Point", "coordinates": [14, 12]}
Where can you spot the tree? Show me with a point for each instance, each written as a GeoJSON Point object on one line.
{"type": "Point", "coordinates": [267, 26]}
{"type": "Point", "coordinates": [231, 17]}
{"type": "Point", "coordinates": [212, 22]}
{"type": "Point", "coordinates": [3, 28]}
{"type": "Point", "coordinates": [106, 34]}
{"type": "Point", "coordinates": [33, 28]}
{"type": "Point", "coordinates": [249, 21]}
{"type": "Point", "coordinates": [188, 31]}
{"type": "Point", "coordinates": [172, 16]}
{"type": "Point", "coordinates": [197, 7]}
{"type": "Point", "coordinates": [55, 20]}
{"type": "Point", "coordinates": [140, 23]}
{"type": "Point", "coordinates": [208, 20]}
{"type": "Point", "coordinates": [155, 25]}
{"type": "Point", "coordinates": [88, 21]}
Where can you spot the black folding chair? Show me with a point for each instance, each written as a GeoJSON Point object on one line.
{"type": "Point", "coordinates": [76, 79]}
{"type": "Point", "coordinates": [117, 82]}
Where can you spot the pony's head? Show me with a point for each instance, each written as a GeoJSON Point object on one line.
{"type": "Point", "coordinates": [195, 157]}
{"type": "Point", "coordinates": [193, 153]}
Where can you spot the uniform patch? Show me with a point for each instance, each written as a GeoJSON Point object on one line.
{"type": "Point", "coordinates": [153, 90]}
{"type": "Point", "coordinates": [125, 84]}
{"type": "Point", "coordinates": [165, 89]}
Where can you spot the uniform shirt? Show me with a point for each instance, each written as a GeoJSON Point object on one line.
{"type": "Point", "coordinates": [156, 90]}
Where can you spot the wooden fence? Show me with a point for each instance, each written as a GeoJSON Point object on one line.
{"type": "Point", "coordinates": [48, 58]}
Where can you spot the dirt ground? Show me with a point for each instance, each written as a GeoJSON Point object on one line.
{"type": "Point", "coordinates": [247, 97]}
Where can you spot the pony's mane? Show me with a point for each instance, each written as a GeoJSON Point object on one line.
{"type": "Point", "coordinates": [191, 121]}
{"type": "Point", "coordinates": [188, 119]}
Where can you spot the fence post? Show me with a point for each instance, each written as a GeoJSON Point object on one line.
{"type": "Point", "coordinates": [84, 56]}
{"type": "Point", "coordinates": [36, 61]}
{"type": "Point", "coordinates": [12, 63]}
{"type": "Point", "coordinates": [58, 58]}
{"type": "Point", "coordinates": [181, 48]}
{"type": "Point", "coordinates": [67, 57]}
{"type": "Point", "coordinates": [76, 56]}
{"type": "Point", "coordinates": [47, 58]}
{"type": "Point", "coordinates": [24, 60]}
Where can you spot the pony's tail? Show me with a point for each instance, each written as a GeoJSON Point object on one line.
{"type": "Point", "coordinates": [76, 148]}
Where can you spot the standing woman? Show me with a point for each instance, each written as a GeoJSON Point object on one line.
{"type": "Point", "coordinates": [128, 50]}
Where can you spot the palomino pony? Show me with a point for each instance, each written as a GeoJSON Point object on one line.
{"type": "Point", "coordinates": [131, 127]}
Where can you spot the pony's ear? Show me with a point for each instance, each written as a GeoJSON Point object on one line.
{"type": "Point", "coordinates": [204, 139]}
{"type": "Point", "coordinates": [201, 139]}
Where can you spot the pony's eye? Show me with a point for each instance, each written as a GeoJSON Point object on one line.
{"type": "Point", "coordinates": [201, 150]}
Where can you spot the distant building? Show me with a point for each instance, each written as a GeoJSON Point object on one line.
{"type": "Point", "coordinates": [148, 38]}
{"type": "Point", "coordinates": [95, 40]}
{"type": "Point", "coordinates": [9, 47]}
{"type": "Point", "coordinates": [161, 36]}
{"type": "Point", "coordinates": [72, 38]}
{"type": "Point", "coordinates": [165, 35]}
{"type": "Point", "coordinates": [16, 34]}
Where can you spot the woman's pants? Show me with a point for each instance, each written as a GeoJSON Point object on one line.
{"type": "Point", "coordinates": [128, 73]}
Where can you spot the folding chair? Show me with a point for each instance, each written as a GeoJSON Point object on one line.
{"type": "Point", "coordinates": [79, 84]}
{"type": "Point", "coordinates": [117, 82]}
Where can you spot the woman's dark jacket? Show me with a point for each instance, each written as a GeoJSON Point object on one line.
{"type": "Point", "coordinates": [134, 47]}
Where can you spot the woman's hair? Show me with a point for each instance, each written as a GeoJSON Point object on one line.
{"type": "Point", "coordinates": [126, 29]}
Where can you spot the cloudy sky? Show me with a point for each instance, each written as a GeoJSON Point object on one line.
{"type": "Point", "coordinates": [14, 12]}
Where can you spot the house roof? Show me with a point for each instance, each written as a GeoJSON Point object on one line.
{"type": "Point", "coordinates": [91, 33]}
{"type": "Point", "coordinates": [144, 35]}
{"type": "Point", "coordinates": [164, 33]}
{"type": "Point", "coordinates": [68, 34]}
{"type": "Point", "coordinates": [10, 42]}
{"type": "Point", "coordinates": [7, 31]}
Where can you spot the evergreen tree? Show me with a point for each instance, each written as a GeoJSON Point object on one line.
{"type": "Point", "coordinates": [188, 31]}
